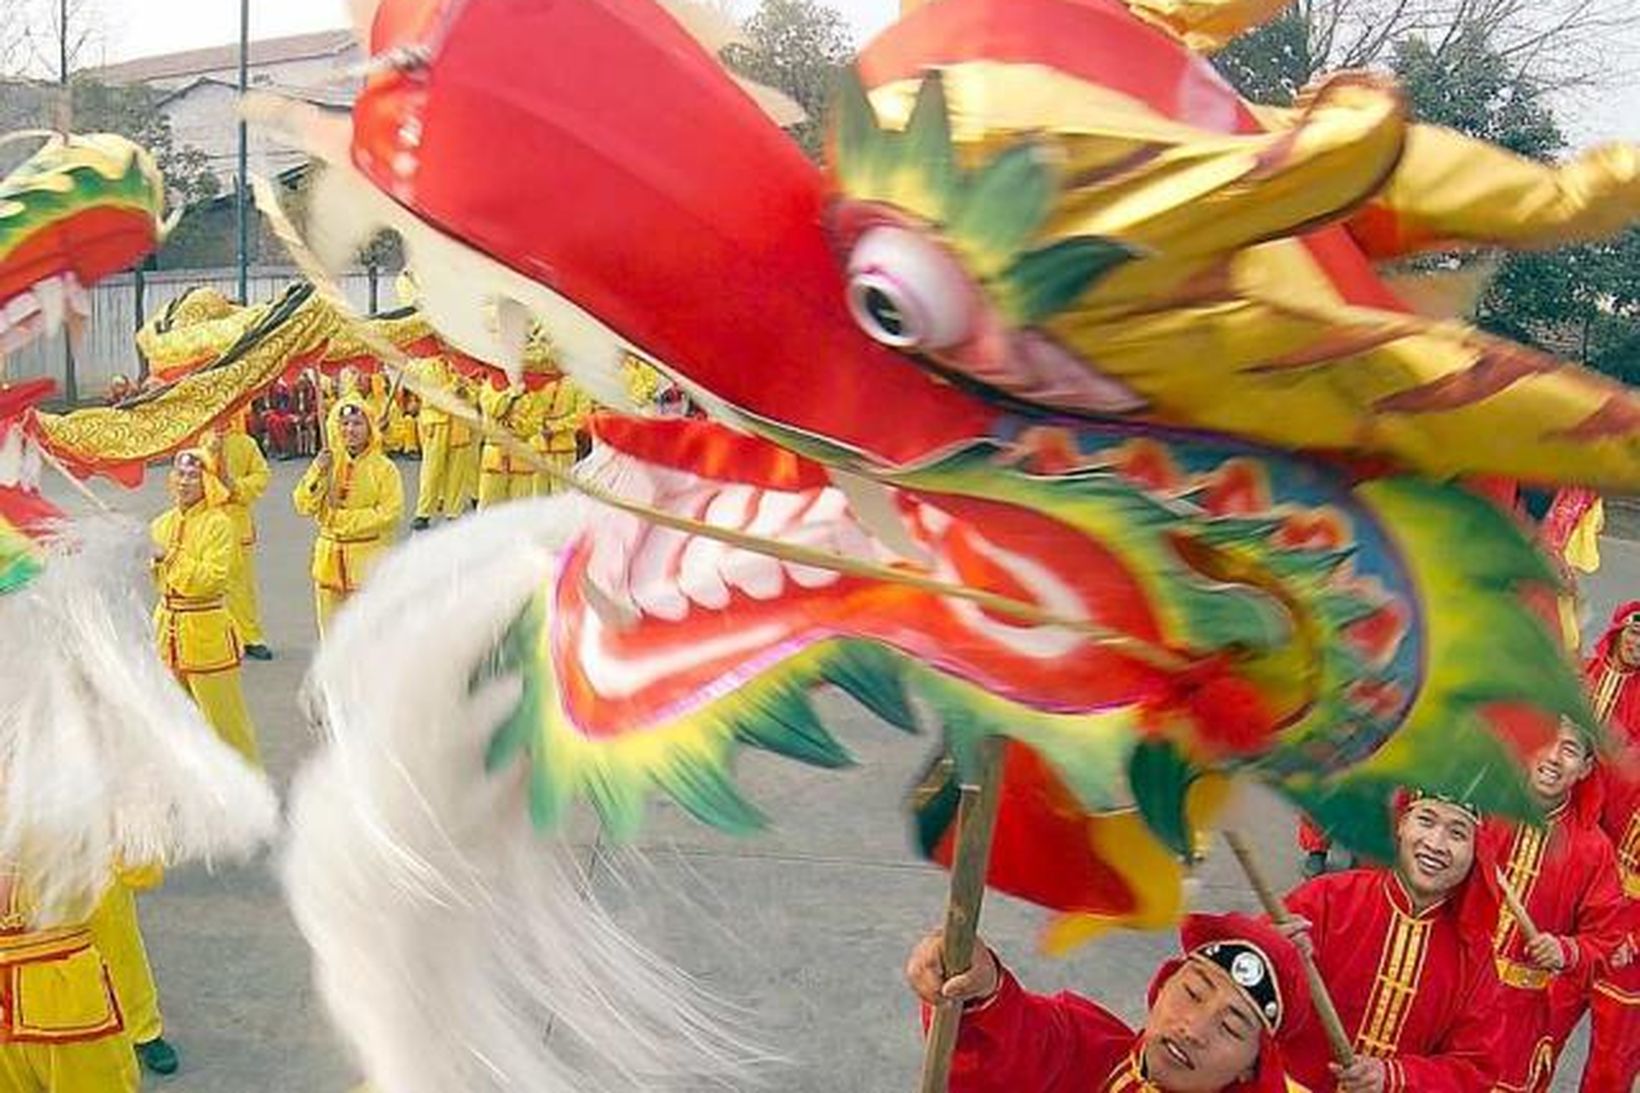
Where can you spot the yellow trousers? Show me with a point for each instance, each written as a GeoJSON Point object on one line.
{"type": "Point", "coordinates": [435, 470]}
{"type": "Point", "coordinates": [470, 458]}
{"type": "Point", "coordinates": [561, 461]}
{"type": "Point", "coordinates": [118, 936]}
{"type": "Point", "coordinates": [494, 487]}
{"type": "Point", "coordinates": [222, 701]}
{"type": "Point", "coordinates": [326, 602]}
{"type": "Point", "coordinates": [106, 1065]}
{"type": "Point", "coordinates": [448, 478]}
{"type": "Point", "coordinates": [243, 606]}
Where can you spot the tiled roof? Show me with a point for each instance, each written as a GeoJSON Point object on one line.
{"type": "Point", "coordinates": [174, 66]}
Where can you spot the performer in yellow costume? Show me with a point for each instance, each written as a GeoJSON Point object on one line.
{"type": "Point", "coordinates": [374, 389]}
{"type": "Point", "coordinates": [61, 1030]}
{"type": "Point", "coordinates": [503, 476]}
{"type": "Point", "coordinates": [118, 936]}
{"type": "Point", "coordinates": [567, 410]}
{"type": "Point", "coordinates": [353, 491]}
{"type": "Point", "coordinates": [238, 464]}
{"type": "Point", "coordinates": [400, 435]}
{"type": "Point", "coordinates": [195, 553]}
{"type": "Point", "coordinates": [466, 451]}
{"type": "Point", "coordinates": [442, 466]}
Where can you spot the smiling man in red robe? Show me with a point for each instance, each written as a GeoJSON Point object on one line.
{"type": "Point", "coordinates": [1406, 953]}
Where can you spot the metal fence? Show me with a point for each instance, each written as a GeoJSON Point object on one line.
{"type": "Point", "coordinates": [122, 303]}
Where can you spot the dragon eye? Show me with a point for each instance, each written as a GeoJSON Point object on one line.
{"type": "Point", "coordinates": [905, 291]}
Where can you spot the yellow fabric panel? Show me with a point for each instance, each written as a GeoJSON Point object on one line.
{"type": "Point", "coordinates": [64, 997]}
{"type": "Point", "coordinates": [192, 628]}
{"type": "Point", "coordinates": [118, 934]}
{"type": "Point", "coordinates": [168, 420]}
{"type": "Point", "coordinates": [1583, 546]}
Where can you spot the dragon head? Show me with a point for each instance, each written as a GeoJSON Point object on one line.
{"type": "Point", "coordinates": [1067, 325]}
{"type": "Point", "coordinates": [78, 209]}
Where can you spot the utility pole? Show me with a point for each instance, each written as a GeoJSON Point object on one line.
{"type": "Point", "coordinates": [242, 188]}
{"type": "Point", "coordinates": [71, 384]}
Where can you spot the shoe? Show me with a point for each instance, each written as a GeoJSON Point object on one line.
{"type": "Point", "coordinates": [1315, 863]}
{"type": "Point", "coordinates": [158, 1056]}
{"type": "Point", "coordinates": [259, 652]}
{"type": "Point", "coordinates": [420, 523]}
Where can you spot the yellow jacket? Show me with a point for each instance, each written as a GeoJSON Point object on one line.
{"type": "Point", "coordinates": [191, 625]}
{"type": "Point", "coordinates": [566, 412]}
{"type": "Point", "coordinates": [522, 413]}
{"type": "Point", "coordinates": [357, 507]}
{"type": "Point", "coordinates": [246, 480]}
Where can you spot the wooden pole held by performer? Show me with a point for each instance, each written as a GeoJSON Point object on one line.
{"type": "Point", "coordinates": [1528, 928]}
{"type": "Point", "coordinates": [970, 862]}
{"type": "Point", "coordinates": [1343, 1052]}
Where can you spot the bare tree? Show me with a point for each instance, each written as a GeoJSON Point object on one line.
{"type": "Point", "coordinates": [1557, 45]}
{"type": "Point", "coordinates": [46, 39]}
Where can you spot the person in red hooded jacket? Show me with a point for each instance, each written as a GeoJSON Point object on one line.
{"type": "Point", "coordinates": [1406, 954]}
{"type": "Point", "coordinates": [1565, 874]}
{"type": "Point", "coordinates": [1613, 676]}
{"type": "Point", "coordinates": [1218, 1015]}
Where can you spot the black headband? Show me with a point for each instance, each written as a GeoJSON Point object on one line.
{"type": "Point", "coordinates": [351, 409]}
{"type": "Point", "coordinates": [1249, 969]}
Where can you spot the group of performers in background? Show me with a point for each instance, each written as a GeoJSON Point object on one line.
{"type": "Point", "coordinates": [81, 1024]}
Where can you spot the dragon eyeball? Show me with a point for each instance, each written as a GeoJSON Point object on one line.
{"type": "Point", "coordinates": [905, 291]}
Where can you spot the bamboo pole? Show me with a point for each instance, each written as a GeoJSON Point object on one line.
{"type": "Point", "coordinates": [970, 862]}
{"type": "Point", "coordinates": [1343, 1052]}
{"type": "Point", "coordinates": [1528, 928]}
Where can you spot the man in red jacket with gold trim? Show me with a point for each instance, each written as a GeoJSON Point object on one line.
{"type": "Point", "coordinates": [1613, 675]}
{"type": "Point", "coordinates": [1565, 874]}
{"type": "Point", "coordinates": [1406, 954]}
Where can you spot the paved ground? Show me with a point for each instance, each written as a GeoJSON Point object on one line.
{"type": "Point", "coordinates": [808, 926]}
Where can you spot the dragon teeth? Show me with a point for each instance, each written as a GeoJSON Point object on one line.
{"type": "Point", "coordinates": [11, 457]}
{"type": "Point", "coordinates": [79, 300]}
{"type": "Point", "coordinates": [42, 309]}
{"type": "Point", "coordinates": [53, 303]}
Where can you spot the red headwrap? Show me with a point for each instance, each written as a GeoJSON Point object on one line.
{"type": "Point", "coordinates": [1280, 973]}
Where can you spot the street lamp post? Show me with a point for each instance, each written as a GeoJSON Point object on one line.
{"type": "Point", "coordinates": [71, 379]}
{"type": "Point", "coordinates": [241, 189]}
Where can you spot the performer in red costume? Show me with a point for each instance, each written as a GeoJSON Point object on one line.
{"type": "Point", "coordinates": [280, 420]}
{"type": "Point", "coordinates": [1566, 876]}
{"type": "Point", "coordinates": [1216, 1015]}
{"type": "Point", "coordinates": [1614, 1001]}
{"type": "Point", "coordinates": [1406, 953]}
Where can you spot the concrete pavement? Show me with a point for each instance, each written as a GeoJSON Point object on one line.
{"type": "Point", "coordinates": [807, 926]}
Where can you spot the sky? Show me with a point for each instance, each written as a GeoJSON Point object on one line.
{"type": "Point", "coordinates": [137, 28]}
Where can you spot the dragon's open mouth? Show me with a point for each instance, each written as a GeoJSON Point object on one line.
{"type": "Point", "coordinates": [688, 609]}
